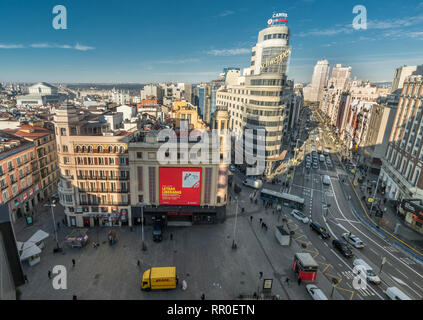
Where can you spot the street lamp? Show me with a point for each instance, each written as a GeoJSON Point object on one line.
{"type": "Point", "coordinates": [374, 195]}
{"type": "Point", "coordinates": [144, 247]}
{"type": "Point", "coordinates": [52, 205]}
{"type": "Point", "coordinates": [234, 246]}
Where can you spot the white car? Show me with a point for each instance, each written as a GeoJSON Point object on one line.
{"type": "Point", "coordinates": [315, 292]}
{"type": "Point", "coordinates": [371, 276]}
{"type": "Point", "coordinates": [297, 214]}
{"type": "Point", "coordinates": [353, 240]}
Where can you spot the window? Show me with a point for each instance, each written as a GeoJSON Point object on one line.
{"type": "Point", "coordinates": [110, 149]}
{"type": "Point", "coordinates": [5, 196]}
{"type": "Point", "coordinates": [90, 149]}
{"type": "Point", "coordinates": [65, 160]}
{"type": "Point", "coordinates": [122, 149]}
{"type": "Point", "coordinates": [65, 148]}
{"type": "Point", "coordinates": [139, 155]}
{"type": "Point", "coordinates": [62, 131]}
{"type": "Point", "coordinates": [122, 160]}
{"type": "Point", "coordinates": [111, 160]}
{"type": "Point", "coordinates": [100, 160]}
{"type": "Point", "coordinates": [100, 149]}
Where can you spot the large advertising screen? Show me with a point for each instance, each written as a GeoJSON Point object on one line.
{"type": "Point", "coordinates": [180, 186]}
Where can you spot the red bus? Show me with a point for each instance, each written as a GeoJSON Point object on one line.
{"type": "Point", "coordinates": [305, 266]}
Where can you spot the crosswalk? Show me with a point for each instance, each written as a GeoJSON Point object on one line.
{"type": "Point", "coordinates": [306, 192]}
{"type": "Point", "coordinates": [364, 292]}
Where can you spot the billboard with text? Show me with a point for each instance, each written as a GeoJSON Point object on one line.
{"type": "Point", "coordinates": [180, 186]}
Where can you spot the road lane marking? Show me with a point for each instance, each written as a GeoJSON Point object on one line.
{"type": "Point", "coordinates": [418, 286]}
{"type": "Point", "coordinates": [388, 252]}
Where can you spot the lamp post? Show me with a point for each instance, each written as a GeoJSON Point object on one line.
{"type": "Point", "coordinates": [234, 246]}
{"type": "Point", "coordinates": [52, 205]}
{"type": "Point", "coordinates": [144, 248]}
{"type": "Point", "coordinates": [374, 195]}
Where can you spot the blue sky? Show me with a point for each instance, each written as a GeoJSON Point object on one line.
{"type": "Point", "coordinates": [192, 41]}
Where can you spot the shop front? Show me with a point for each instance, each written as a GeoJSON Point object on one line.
{"type": "Point", "coordinates": [411, 210]}
{"type": "Point", "coordinates": [178, 215]}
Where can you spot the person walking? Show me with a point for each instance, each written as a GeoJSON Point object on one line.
{"type": "Point", "coordinates": [138, 263]}
{"type": "Point", "coordinates": [299, 281]}
{"type": "Point", "coordinates": [261, 220]}
{"type": "Point", "coordinates": [203, 297]}
{"type": "Point", "coordinates": [49, 274]}
{"type": "Point", "coordinates": [287, 281]}
{"type": "Point", "coordinates": [58, 225]}
{"type": "Point", "coordinates": [26, 278]}
{"type": "Point", "coordinates": [251, 219]}
{"type": "Point", "coordinates": [261, 274]}
{"type": "Point", "coordinates": [171, 236]}
{"type": "Point", "coordinates": [73, 262]}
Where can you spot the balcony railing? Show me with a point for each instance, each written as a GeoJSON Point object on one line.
{"type": "Point", "coordinates": [90, 203]}
{"type": "Point", "coordinates": [102, 190]}
{"type": "Point", "coordinates": [102, 178]}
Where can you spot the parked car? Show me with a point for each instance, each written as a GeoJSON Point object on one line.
{"type": "Point", "coordinates": [371, 276]}
{"type": "Point", "coordinates": [308, 165]}
{"type": "Point", "coordinates": [232, 167]}
{"type": "Point", "coordinates": [326, 179]}
{"type": "Point", "coordinates": [342, 247]}
{"type": "Point", "coordinates": [320, 230]}
{"type": "Point", "coordinates": [315, 165]}
{"type": "Point", "coordinates": [353, 240]}
{"type": "Point", "coordinates": [297, 214]}
{"type": "Point", "coordinates": [315, 292]}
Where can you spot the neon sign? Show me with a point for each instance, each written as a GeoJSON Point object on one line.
{"type": "Point", "coordinates": [278, 18]}
{"type": "Point", "coordinates": [285, 54]}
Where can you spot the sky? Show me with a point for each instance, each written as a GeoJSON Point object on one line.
{"type": "Point", "coordinates": [111, 41]}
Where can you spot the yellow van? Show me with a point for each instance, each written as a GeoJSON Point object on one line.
{"type": "Point", "coordinates": [159, 278]}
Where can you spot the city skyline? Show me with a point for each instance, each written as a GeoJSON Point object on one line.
{"type": "Point", "coordinates": [187, 46]}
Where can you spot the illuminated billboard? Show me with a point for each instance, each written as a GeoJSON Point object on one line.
{"type": "Point", "coordinates": [180, 186]}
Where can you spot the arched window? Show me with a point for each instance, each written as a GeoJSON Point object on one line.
{"type": "Point", "coordinates": [78, 149]}
{"type": "Point", "coordinates": [90, 149]}
{"type": "Point", "coordinates": [122, 149]}
{"type": "Point", "coordinates": [116, 149]}
{"type": "Point", "coordinates": [110, 149]}
{"type": "Point", "coordinates": [84, 149]}
{"type": "Point", "coordinates": [100, 149]}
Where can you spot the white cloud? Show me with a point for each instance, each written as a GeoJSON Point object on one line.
{"type": "Point", "coordinates": [11, 46]}
{"type": "Point", "coordinates": [177, 61]}
{"type": "Point", "coordinates": [60, 46]}
{"type": "Point", "coordinates": [226, 13]}
{"type": "Point", "coordinates": [229, 52]}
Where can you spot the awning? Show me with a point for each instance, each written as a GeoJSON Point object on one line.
{"type": "Point", "coordinates": [38, 236]}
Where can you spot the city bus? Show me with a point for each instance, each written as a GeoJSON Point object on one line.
{"type": "Point", "coordinates": [285, 199]}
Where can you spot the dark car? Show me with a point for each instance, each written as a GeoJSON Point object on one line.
{"type": "Point", "coordinates": [157, 231]}
{"type": "Point", "coordinates": [320, 230]}
{"type": "Point", "coordinates": [342, 247]}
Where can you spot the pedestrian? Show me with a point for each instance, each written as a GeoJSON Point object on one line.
{"type": "Point", "coordinates": [203, 297]}
{"type": "Point", "coordinates": [261, 220]}
{"type": "Point", "coordinates": [251, 219]}
{"type": "Point", "coordinates": [26, 278]}
{"type": "Point", "coordinates": [255, 295]}
{"type": "Point", "coordinates": [299, 281]}
{"type": "Point", "coordinates": [138, 263]}
{"type": "Point", "coordinates": [58, 225]}
{"type": "Point", "coordinates": [243, 209]}
{"type": "Point", "coordinates": [171, 236]}
{"type": "Point", "coordinates": [49, 274]}
{"type": "Point", "coordinates": [261, 274]}
{"type": "Point", "coordinates": [73, 262]}
{"type": "Point", "coordinates": [287, 281]}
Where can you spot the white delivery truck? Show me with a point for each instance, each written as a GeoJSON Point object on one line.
{"type": "Point", "coordinates": [253, 183]}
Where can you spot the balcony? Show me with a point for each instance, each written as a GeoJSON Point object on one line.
{"type": "Point", "coordinates": [103, 190]}
{"type": "Point", "coordinates": [102, 178]}
{"type": "Point", "coordinates": [90, 203]}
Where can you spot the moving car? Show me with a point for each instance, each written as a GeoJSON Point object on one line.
{"type": "Point", "coordinates": [253, 183]}
{"type": "Point", "coordinates": [371, 276]}
{"type": "Point", "coordinates": [396, 294]}
{"type": "Point", "coordinates": [326, 179]}
{"type": "Point", "coordinates": [353, 240]}
{"type": "Point", "coordinates": [315, 292]}
{"type": "Point", "coordinates": [342, 247]}
{"type": "Point", "coordinates": [159, 278]}
{"type": "Point", "coordinates": [320, 230]}
{"type": "Point", "coordinates": [297, 214]}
